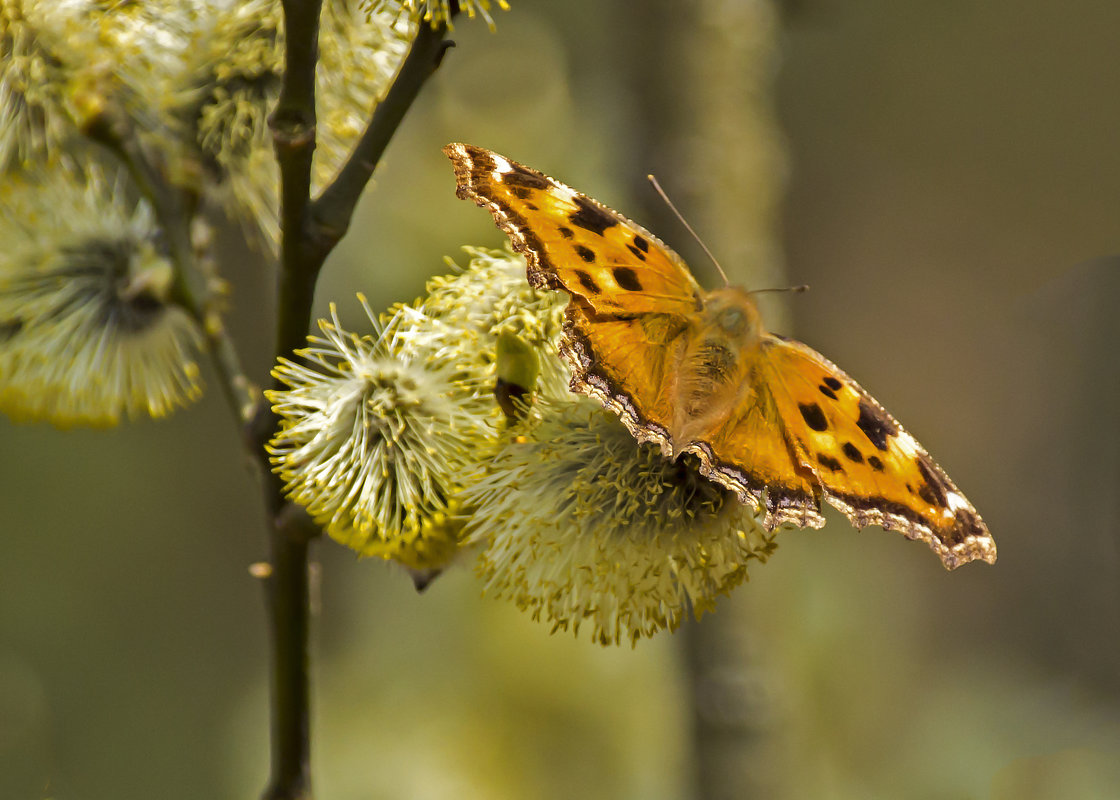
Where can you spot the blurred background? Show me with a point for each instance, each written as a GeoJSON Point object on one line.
{"type": "Point", "coordinates": [946, 176]}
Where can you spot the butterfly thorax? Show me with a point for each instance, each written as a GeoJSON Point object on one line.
{"type": "Point", "coordinates": [712, 373]}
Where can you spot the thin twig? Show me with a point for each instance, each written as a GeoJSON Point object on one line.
{"type": "Point", "coordinates": [174, 207]}
{"type": "Point", "coordinates": [332, 210]}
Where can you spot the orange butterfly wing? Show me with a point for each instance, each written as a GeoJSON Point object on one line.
{"type": "Point", "coordinates": [751, 453]}
{"type": "Point", "coordinates": [632, 297]}
{"type": "Point", "coordinates": [572, 242]}
{"type": "Point", "coordinates": [866, 464]}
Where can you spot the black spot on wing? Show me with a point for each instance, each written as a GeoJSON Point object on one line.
{"type": "Point", "coordinates": [875, 463]}
{"type": "Point", "coordinates": [829, 462]}
{"type": "Point", "coordinates": [788, 501]}
{"type": "Point", "coordinates": [522, 178]}
{"type": "Point", "coordinates": [853, 454]}
{"type": "Point", "coordinates": [637, 253]}
{"type": "Point", "coordinates": [827, 392]}
{"type": "Point", "coordinates": [832, 383]}
{"type": "Point", "coordinates": [521, 192]}
{"type": "Point", "coordinates": [590, 217]}
{"type": "Point", "coordinates": [875, 424]}
{"type": "Point", "coordinates": [927, 494]}
{"type": "Point", "coordinates": [587, 282]}
{"type": "Point", "coordinates": [968, 524]}
{"type": "Point", "coordinates": [565, 232]}
{"type": "Point", "coordinates": [934, 491]}
{"type": "Point", "coordinates": [479, 160]}
{"type": "Point", "coordinates": [813, 415]}
{"type": "Point", "coordinates": [641, 244]}
{"type": "Point", "coordinates": [627, 279]}
{"type": "Point", "coordinates": [586, 253]}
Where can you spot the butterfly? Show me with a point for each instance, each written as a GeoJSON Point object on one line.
{"type": "Point", "coordinates": [696, 372]}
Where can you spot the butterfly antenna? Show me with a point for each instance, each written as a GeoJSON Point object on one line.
{"type": "Point", "coordinates": [804, 287]}
{"type": "Point", "coordinates": [688, 227]}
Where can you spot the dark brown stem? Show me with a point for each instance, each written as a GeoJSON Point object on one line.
{"type": "Point", "coordinates": [732, 719]}
{"type": "Point", "coordinates": [287, 593]}
{"type": "Point", "coordinates": [308, 233]}
{"type": "Point", "coordinates": [332, 211]}
{"type": "Point", "coordinates": [293, 134]}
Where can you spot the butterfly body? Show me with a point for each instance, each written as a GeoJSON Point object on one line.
{"type": "Point", "coordinates": [696, 372]}
{"type": "Point", "coordinates": [711, 378]}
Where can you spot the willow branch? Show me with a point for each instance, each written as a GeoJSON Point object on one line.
{"type": "Point", "coordinates": [332, 211]}
{"type": "Point", "coordinates": [309, 232]}
{"type": "Point", "coordinates": [287, 588]}
{"type": "Point", "coordinates": [288, 596]}
{"type": "Point", "coordinates": [293, 134]}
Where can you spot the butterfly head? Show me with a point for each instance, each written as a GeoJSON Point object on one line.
{"type": "Point", "coordinates": [732, 314]}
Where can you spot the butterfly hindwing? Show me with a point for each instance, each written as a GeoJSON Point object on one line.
{"type": "Point", "coordinates": [629, 365]}
{"type": "Point", "coordinates": [772, 478]}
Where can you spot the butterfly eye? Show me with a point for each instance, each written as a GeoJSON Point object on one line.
{"type": "Point", "coordinates": [732, 313]}
{"type": "Point", "coordinates": [737, 323]}
{"type": "Point", "coordinates": [731, 320]}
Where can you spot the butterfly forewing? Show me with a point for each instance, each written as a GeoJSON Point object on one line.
{"type": "Point", "coordinates": [572, 242]}
{"type": "Point", "coordinates": [870, 468]}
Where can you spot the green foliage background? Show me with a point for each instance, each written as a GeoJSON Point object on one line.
{"type": "Point", "coordinates": [952, 179]}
